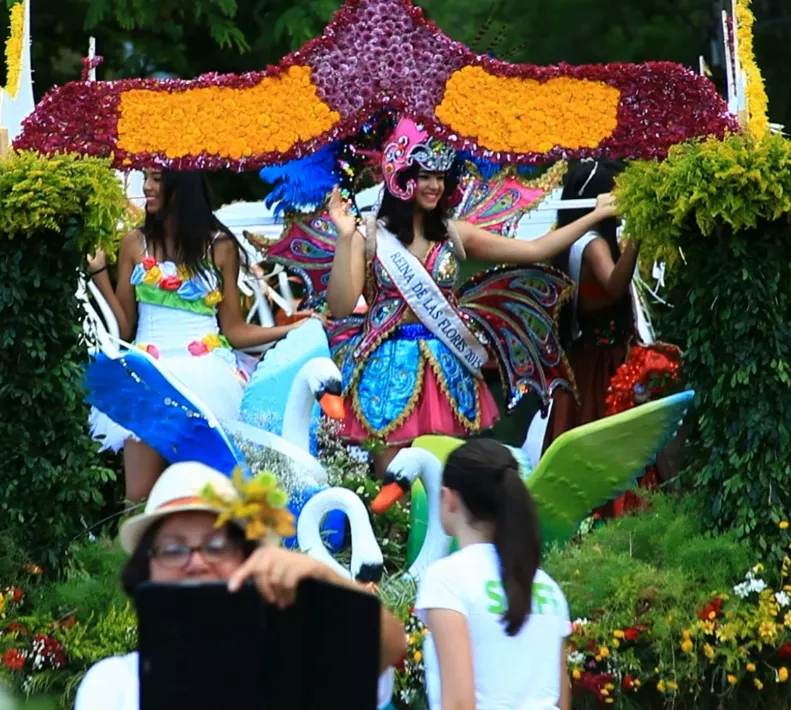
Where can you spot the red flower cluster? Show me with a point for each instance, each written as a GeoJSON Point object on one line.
{"type": "Point", "coordinates": [645, 374]}
{"type": "Point", "coordinates": [14, 659]}
{"type": "Point", "coordinates": [16, 628]}
{"type": "Point", "coordinates": [46, 651]}
{"type": "Point", "coordinates": [593, 683]}
{"type": "Point", "coordinates": [711, 611]}
{"type": "Point", "coordinates": [661, 103]}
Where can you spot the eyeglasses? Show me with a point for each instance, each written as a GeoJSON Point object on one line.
{"type": "Point", "coordinates": [176, 555]}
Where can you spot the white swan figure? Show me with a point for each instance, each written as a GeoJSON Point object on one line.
{"type": "Point", "coordinates": [406, 467]}
{"type": "Point", "coordinates": [318, 380]}
{"type": "Point", "coordinates": [367, 561]}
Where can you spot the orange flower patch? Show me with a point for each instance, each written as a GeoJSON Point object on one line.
{"type": "Point", "coordinates": [515, 114]}
{"type": "Point", "coordinates": [229, 122]}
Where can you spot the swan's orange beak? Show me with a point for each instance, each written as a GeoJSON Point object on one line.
{"type": "Point", "coordinates": [332, 406]}
{"type": "Point", "coordinates": [387, 497]}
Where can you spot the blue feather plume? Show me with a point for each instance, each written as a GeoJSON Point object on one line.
{"type": "Point", "coordinates": [139, 396]}
{"type": "Point", "coordinates": [303, 183]}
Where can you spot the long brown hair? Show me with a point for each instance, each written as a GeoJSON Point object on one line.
{"type": "Point", "coordinates": [486, 477]}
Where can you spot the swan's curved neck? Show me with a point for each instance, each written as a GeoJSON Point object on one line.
{"type": "Point", "coordinates": [314, 511]}
{"type": "Point", "coordinates": [299, 408]}
{"type": "Point", "coordinates": [436, 543]}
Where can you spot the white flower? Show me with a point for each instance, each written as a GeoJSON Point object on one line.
{"type": "Point", "coordinates": [750, 585]}
{"type": "Point", "coordinates": [782, 599]}
{"type": "Point", "coordinates": [576, 658]}
{"type": "Point", "coordinates": [580, 622]}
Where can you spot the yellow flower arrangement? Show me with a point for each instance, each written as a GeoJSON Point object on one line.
{"type": "Point", "coordinates": [222, 121]}
{"type": "Point", "coordinates": [13, 49]}
{"type": "Point", "coordinates": [261, 504]}
{"type": "Point", "coordinates": [524, 115]}
{"type": "Point", "coordinates": [757, 101]}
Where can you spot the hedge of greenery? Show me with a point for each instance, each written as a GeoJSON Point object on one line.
{"type": "Point", "coordinates": [720, 213]}
{"type": "Point", "coordinates": [53, 211]}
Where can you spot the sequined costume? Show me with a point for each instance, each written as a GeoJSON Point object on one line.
{"type": "Point", "coordinates": [400, 380]}
{"type": "Point", "coordinates": [408, 371]}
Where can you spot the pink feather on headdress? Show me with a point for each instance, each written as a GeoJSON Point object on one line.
{"type": "Point", "coordinates": [409, 144]}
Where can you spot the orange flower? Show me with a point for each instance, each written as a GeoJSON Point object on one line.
{"type": "Point", "coordinates": [524, 115]}
{"type": "Point", "coordinates": [221, 121]}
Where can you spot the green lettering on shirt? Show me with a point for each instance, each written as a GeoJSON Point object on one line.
{"type": "Point", "coordinates": [496, 595]}
{"type": "Point", "coordinates": [545, 599]}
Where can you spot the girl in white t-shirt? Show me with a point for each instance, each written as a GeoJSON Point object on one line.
{"type": "Point", "coordinates": [498, 624]}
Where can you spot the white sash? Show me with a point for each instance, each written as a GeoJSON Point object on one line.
{"type": "Point", "coordinates": [575, 267]}
{"type": "Point", "coordinates": [427, 301]}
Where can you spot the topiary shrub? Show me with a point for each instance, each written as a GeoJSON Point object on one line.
{"type": "Point", "coordinates": [52, 212]}
{"type": "Point", "coordinates": [720, 213]}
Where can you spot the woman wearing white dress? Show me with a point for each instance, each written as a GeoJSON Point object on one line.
{"type": "Point", "coordinates": [497, 623]}
{"type": "Point", "coordinates": [177, 294]}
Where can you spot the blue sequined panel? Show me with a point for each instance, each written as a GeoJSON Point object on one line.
{"type": "Point", "coordinates": [460, 383]}
{"type": "Point", "coordinates": [388, 381]}
{"type": "Point", "coordinates": [390, 377]}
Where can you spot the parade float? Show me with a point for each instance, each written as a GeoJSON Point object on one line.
{"type": "Point", "coordinates": [667, 614]}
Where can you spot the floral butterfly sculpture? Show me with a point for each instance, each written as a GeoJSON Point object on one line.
{"type": "Point", "coordinates": [261, 506]}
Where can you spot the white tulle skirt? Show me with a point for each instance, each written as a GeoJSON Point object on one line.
{"type": "Point", "coordinates": [214, 378]}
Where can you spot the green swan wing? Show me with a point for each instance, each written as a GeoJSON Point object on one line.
{"type": "Point", "coordinates": [587, 466]}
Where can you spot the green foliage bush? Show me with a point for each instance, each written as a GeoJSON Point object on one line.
{"type": "Point", "coordinates": [721, 211]}
{"type": "Point", "coordinates": [52, 212]}
{"type": "Point", "coordinates": [705, 188]}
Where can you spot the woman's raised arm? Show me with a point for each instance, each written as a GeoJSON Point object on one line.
{"type": "Point", "coordinates": [347, 277]}
{"type": "Point", "coordinates": [480, 244]}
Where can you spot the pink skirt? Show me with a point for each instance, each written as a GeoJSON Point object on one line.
{"type": "Point", "coordinates": [412, 385]}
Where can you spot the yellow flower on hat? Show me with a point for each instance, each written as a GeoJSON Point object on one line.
{"type": "Point", "coordinates": [261, 504]}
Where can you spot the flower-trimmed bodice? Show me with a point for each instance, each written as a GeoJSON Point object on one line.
{"type": "Point", "coordinates": [171, 286]}
{"type": "Point", "coordinates": [177, 310]}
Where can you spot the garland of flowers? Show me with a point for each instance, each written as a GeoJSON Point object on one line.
{"type": "Point", "coordinates": [757, 100]}
{"type": "Point", "coordinates": [13, 49]}
{"type": "Point", "coordinates": [375, 54]}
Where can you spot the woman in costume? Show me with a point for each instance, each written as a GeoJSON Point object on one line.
{"type": "Point", "coordinates": [177, 293]}
{"type": "Point", "coordinates": [601, 319]}
{"type": "Point", "coordinates": [412, 364]}
{"type": "Point", "coordinates": [176, 539]}
{"type": "Point", "coordinates": [497, 623]}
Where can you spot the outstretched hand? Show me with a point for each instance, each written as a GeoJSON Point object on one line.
{"type": "Point", "coordinates": [605, 205]}
{"type": "Point", "coordinates": [341, 213]}
{"type": "Point", "coordinates": [277, 573]}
